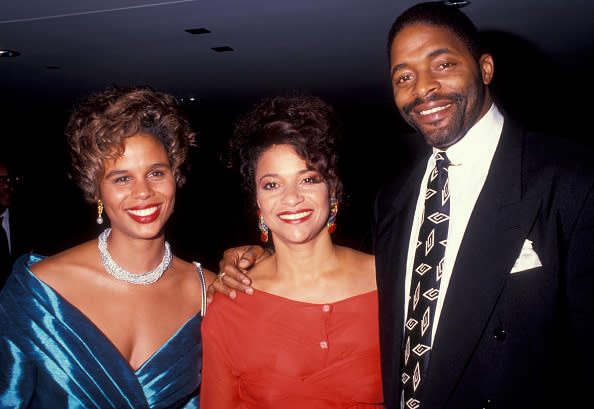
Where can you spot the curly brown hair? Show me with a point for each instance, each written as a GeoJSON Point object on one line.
{"type": "Point", "coordinates": [307, 123]}
{"type": "Point", "coordinates": [98, 127]}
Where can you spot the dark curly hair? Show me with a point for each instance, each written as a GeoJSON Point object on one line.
{"type": "Point", "coordinates": [306, 123]}
{"type": "Point", "coordinates": [98, 127]}
{"type": "Point", "coordinates": [439, 14]}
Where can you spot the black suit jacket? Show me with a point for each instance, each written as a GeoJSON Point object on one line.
{"type": "Point", "coordinates": [20, 238]}
{"type": "Point", "coordinates": [504, 340]}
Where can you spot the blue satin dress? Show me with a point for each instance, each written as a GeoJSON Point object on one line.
{"type": "Point", "coordinates": [52, 356]}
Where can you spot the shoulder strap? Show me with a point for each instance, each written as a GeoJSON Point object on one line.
{"type": "Point", "coordinates": [202, 287]}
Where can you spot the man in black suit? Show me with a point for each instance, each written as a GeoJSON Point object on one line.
{"type": "Point", "coordinates": [6, 198]}
{"type": "Point", "coordinates": [512, 317]}
{"type": "Point", "coordinates": [15, 235]}
{"type": "Point", "coordinates": [514, 314]}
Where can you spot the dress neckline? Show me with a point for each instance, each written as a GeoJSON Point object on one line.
{"type": "Point", "coordinates": [306, 303]}
{"type": "Point", "coordinates": [74, 318]}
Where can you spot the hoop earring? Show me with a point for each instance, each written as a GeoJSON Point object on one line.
{"type": "Point", "coordinates": [263, 228]}
{"type": "Point", "coordinates": [331, 223]}
{"type": "Point", "coordinates": [99, 211]}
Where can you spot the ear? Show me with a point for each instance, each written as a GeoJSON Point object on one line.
{"type": "Point", "coordinates": [487, 68]}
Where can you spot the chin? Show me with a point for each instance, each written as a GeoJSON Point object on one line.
{"type": "Point", "coordinates": [440, 138]}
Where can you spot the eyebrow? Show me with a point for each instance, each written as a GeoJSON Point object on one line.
{"type": "Point", "coordinates": [123, 171]}
{"type": "Point", "coordinates": [440, 51]}
{"type": "Point", "coordinates": [432, 54]}
{"type": "Point", "coordinates": [274, 175]}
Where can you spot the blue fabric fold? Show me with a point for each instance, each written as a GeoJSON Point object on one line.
{"type": "Point", "coordinates": [53, 356]}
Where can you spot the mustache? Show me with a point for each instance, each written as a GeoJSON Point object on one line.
{"type": "Point", "coordinates": [407, 108]}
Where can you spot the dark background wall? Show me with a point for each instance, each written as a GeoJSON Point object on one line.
{"type": "Point", "coordinates": [211, 213]}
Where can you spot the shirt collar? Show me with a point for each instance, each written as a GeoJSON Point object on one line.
{"type": "Point", "coordinates": [480, 141]}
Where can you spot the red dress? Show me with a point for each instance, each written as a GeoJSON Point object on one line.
{"type": "Point", "coordinates": [265, 351]}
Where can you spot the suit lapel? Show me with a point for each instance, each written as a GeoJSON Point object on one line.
{"type": "Point", "coordinates": [492, 241]}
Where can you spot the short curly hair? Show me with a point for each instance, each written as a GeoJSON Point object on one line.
{"type": "Point", "coordinates": [307, 123]}
{"type": "Point", "coordinates": [98, 127]}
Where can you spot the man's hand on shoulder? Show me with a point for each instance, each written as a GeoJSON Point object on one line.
{"type": "Point", "coordinates": [233, 271]}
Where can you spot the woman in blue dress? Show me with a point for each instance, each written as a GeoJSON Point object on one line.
{"type": "Point", "coordinates": [113, 322]}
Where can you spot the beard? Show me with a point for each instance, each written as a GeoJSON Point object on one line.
{"type": "Point", "coordinates": [456, 125]}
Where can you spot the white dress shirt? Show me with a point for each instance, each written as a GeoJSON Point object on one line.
{"type": "Point", "coordinates": [470, 162]}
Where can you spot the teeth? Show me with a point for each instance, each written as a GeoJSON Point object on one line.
{"type": "Point", "coordinates": [143, 212]}
{"type": "Point", "coordinates": [433, 110]}
{"type": "Point", "coordinates": [295, 216]}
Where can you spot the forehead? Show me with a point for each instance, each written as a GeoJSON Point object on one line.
{"type": "Point", "coordinates": [283, 155]}
{"type": "Point", "coordinates": [142, 143]}
{"type": "Point", "coordinates": [139, 149]}
{"type": "Point", "coordinates": [419, 40]}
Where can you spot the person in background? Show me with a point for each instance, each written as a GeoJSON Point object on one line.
{"type": "Point", "coordinates": [6, 245]}
{"type": "Point", "coordinates": [485, 294]}
{"type": "Point", "coordinates": [113, 322]}
{"type": "Point", "coordinates": [309, 334]}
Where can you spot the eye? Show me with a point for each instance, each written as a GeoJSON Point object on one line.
{"type": "Point", "coordinates": [121, 179]}
{"type": "Point", "coordinates": [312, 179]}
{"type": "Point", "coordinates": [403, 79]}
{"type": "Point", "coordinates": [270, 186]}
{"type": "Point", "coordinates": [445, 65]}
{"type": "Point", "coordinates": [156, 173]}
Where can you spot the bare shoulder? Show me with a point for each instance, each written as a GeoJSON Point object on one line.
{"type": "Point", "coordinates": [61, 267]}
{"type": "Point", "coordinates": [187, 274]}
{"type": "Point", "coordinates": [209, 276]}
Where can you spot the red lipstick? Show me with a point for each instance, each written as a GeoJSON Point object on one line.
{"type": "Point", "coordinates": [296, 216]}
{"type": "Point", "coordinates": [145, 213]}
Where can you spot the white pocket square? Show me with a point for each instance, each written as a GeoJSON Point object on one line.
{"type": "Point", "coordinates": [528, 258]}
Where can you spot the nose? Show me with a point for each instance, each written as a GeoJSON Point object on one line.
{"type": "Point", "coordinates": [425, 84]}
{"type": "Point", "coordinates": [292, 196]}
{"type": "Point", "coordinates": [142, 189]}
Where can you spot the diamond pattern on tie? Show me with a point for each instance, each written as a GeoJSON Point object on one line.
{"type": "Point", "coordinates": [425, 282]}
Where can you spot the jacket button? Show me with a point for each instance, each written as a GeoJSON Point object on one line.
{"type": "Point", "coordinates": [500, 334]}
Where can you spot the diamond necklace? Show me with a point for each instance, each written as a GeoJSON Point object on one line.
{"type": "Point", "coordinates": [118, 272]}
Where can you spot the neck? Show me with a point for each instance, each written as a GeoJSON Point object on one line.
{"type": "Point", "coordinates": [305, 262]}
{"type": "Point", "coordinates": [136, 255]}
{"type": "Point", "coordinates": [487, 102]}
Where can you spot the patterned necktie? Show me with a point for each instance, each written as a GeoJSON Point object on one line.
{"type": "Point", "coordinates": [424, 287]}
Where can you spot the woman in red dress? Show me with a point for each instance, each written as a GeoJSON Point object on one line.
{"type": "Point", "coordinates": [308, 336]}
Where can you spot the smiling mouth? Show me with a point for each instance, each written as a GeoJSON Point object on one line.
{"type": "Point", "coordinates": [434, 110]}
{"type": "Point", "coordinates": [295, 216]}
{"type": "Point", "coordinates": [143, 212]}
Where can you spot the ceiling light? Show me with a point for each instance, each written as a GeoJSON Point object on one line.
{"type": "Point", "coordinates": [455, 3]}
{"type": "Point", "coordinates": [201, 30]}
{"type": "Point", "coordinates": [222, 49]}
{"type": "Point", "coordinates": [9, 53]}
